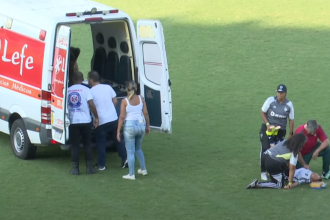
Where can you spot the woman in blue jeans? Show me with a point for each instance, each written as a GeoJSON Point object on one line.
{"type": "Point", "coordinates": [134, 116]}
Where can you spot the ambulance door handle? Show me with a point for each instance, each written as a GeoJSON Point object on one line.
{"type": "Point", "coordinates": [53, 100]}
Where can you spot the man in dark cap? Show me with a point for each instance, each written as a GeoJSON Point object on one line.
{"type": "Point", "coordinates": [275, 112]}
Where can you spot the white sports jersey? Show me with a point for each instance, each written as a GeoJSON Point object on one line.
{"type": "Point", "coordinates": [302, 175]}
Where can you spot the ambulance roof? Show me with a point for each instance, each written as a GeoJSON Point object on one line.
{"type": "Point", "coordinates": [41, 12]}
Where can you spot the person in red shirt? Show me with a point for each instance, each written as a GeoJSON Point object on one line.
{"type": "Point", "coordinates": [314, 148]}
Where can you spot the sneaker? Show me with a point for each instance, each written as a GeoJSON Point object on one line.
{"type": "Point", "coordinates": [264, 176]}
{"type": "Point", "coordinates": [129, 177]}
{"type": "Point", "coordinates": [96, 166]}
{"type": "Point", "coordinates": [142, 172]}
{"type": "Point", "coordinates": [124, 164]}
{"type": "Point", "coordinates": [325, 175]}
{"type": "Point", "coordinates": [253, 184]}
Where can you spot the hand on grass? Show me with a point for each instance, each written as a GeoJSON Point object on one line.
{"type": "Point", "coordinates": [287, 187]}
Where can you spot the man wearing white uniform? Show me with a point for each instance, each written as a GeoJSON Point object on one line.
{"type": "Point", "coordinates": [105, 100]}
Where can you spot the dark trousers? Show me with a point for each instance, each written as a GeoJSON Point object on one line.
{"type": "Point", "coordinates": [276, 169]}
{"type": "Point", "coordinates": [85, 131]}
{"type": "Point", "coordinates": [325, 154]}
{"type": "Point", "coordinates": [265, 140]}
{"type": "Point", "coordinates": [101, 134]}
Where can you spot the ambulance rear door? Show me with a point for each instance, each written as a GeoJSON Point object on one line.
{"type": "Point", "coordinates": [154, 75]}
{"type": "Point", "coordinates": [59, 116]}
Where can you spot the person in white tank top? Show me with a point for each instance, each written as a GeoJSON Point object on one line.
{"type": "Point", "coordinates": [135, 119]}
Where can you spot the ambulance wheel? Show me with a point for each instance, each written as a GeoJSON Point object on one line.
{"type": "Point", "coordinates": [20, 142]}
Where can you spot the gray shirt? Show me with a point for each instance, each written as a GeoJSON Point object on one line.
{"type": "Point", "coordinates": [281, 153]}
{"type": "Point", "coordinates": [278, 113]}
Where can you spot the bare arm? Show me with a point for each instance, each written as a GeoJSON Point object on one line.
{"type": "Point", "coordinates": [291, 124]}
{"type": "Point", "coordinates": [122, 115]}
{"type": "Point", "coordinates": [323, 145]}
{"type": "Point", "coordinates": [93, 108]}
{"type": "Point", "coordinates": [115, 101]}
{"type": "Point", "coordinates": [94, 112]}
{"type": "Point", "coordinates": [264, 117]}
{"type": "Point", "coordinates": [302, 161]}
{"type": "Point", "coordinates": [293, 185]}
{"type": "Point", "coordinates": [292, 169]}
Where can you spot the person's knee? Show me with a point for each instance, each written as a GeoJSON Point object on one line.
{"type": "Point", "coordinates": [130, 153]}
{"type": "Point", "coordinates": [327, 149]}
{"type": "Point", "coordinates": [326, 152]}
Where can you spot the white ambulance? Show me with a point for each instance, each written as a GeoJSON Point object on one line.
{"type": "Point", "coordinates": [35, 39]}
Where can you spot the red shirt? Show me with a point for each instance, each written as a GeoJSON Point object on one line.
{"type": "Point", "coordinates": [311, 139]}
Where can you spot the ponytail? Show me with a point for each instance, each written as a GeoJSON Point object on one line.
{"type": "Point", "coordinates": [130, 94]}
{"type": "Point", "coordinates": [131, 89]}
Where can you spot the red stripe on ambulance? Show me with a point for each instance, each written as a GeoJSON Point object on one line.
{"type": "Point", "coordinates": [153, 63]}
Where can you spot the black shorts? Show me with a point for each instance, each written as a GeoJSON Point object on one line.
{"type": "Point", "coordinates": [274, 166]}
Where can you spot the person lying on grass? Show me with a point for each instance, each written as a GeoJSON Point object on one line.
{"type": "Point", "coordinates": [304, 176]}
{"type": "Point", "coordinates": [275, 161]}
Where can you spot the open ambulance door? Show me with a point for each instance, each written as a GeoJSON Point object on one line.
{"type": "Point", "coordinates": [59, 119]}
{"type": "Point", "coordinates": [153, 74]}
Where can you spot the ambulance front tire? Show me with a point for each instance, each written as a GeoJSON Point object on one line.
{"type": "Point", "coordinates": [20, 142]}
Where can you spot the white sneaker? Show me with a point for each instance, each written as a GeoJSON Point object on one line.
{"type": "Point", "coordinates": [129, 177]}
{"type": "Point", "coordinates": [143, 172]}
{"type": "Point", "coordinates": [264, 176]}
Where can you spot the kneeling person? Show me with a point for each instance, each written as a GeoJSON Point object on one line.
{"type": "Point", "coordinates": [275, 161]}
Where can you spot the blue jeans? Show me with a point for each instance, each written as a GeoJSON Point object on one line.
{"type": "Point", "coordinates": [134, 131]}
{"type": "Point", "coordinates": [101, 134]}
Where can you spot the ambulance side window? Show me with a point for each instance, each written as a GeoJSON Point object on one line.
{"type": "Point", "coordinates": [152, 62]}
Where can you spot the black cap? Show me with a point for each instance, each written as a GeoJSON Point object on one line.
{"type": "Point", "coordinates": [281, 88]}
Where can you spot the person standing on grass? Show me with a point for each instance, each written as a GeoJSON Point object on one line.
{"type": "Point", "coordinates": [314, 148]}
{"type": "Point", "coordinates": [275, 111]}
{"type": "Point", "coordinates": [80, 103]}
{"type": "Point", "coordinates": [275, 161]}
{"type": "Point", "coordinates": [105, 101]}
{"type": "Point", "coordinates": [132, 110]}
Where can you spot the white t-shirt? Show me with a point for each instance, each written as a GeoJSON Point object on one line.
{"type": "Point", "coordinates": [102, 98]}
{"type": "Point", "coordinates": [303, 175]}
{"type": "Point", "coordinates": [78, 97]}
{"type": "Point", "coordinates": [293, 159]}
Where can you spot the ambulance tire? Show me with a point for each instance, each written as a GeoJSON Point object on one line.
{"type": "Point", "coordinates": [20, 142]}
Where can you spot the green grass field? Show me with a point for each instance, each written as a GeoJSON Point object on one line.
{"type": "Point", "coordinates": [225, 58]}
